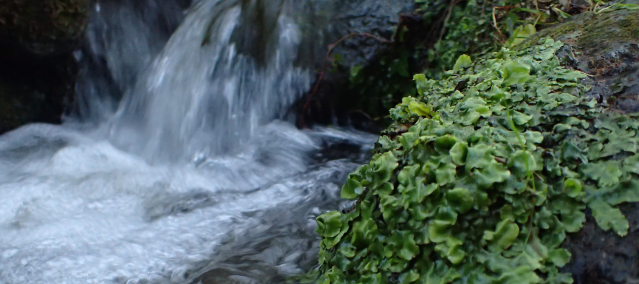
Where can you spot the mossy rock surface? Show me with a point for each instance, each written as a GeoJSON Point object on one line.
{"type": "Point", "coordinates": [515, 168]}
{"type": "Point", "coordinates": [605, 45]}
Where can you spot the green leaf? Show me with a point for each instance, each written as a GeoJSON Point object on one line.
{"type": "Point", "coordinates": [372, 279]}
{"type": "Point", "coordinates": [383, 168]}
{"type": "Point", "coordinates": [631, 164]}
{"type": "Point", "coordinates": [389, 206]}
{"type": "Point", "coordinates": [573, 220]}
{"type": "Point", "coordinates": [460, 199]}
{"type": "Point", "coordinates": [351, 189]}
{"type": "Point", "coordinates": [623, 192]}
{"type": "Point", "coordinates": [463, 61]}
{"type": "Point", "coordinates": [439, 229]}
{"type": "Point", "coordinates": [521, 163]}
{"type": "Point", "coordinates": [503, 237]}
{"type": "Point", "coordinates": [407, 174]}
{"type": "Point", "coordinates": [479, 156]}
{"type": "Point", "coordinates": [520, 118]}
{"type": "Point", "coordinates": [515, 73]}
{"type": "Point", "coordinates": [521, 275]}
{"type": "Point", "coordinates": [420, 109]}
{"type": "Point", "coordinates": [608, 217]}
{"type": "Point", "coordinates": [533, 136]}
{"type": "Point", "coordinates": [470, 118]}
{"type": "Point", "coordinates": [606, 173]}
{"type": "Point", "coordinates": [329, 224]}
{"type": "Point", "coordinates": [491, 174]}
{"type": "Point", "coordinates": [409, 277]}
{"type": "Point", "coordinates": [522, 33]}
{"type": "Point", "coordinates": [364, 231]}
{"type": "Point", "coordinates": [403, 242]}
{"type": "Point", "coordinates": [458, 153]}
{"type": "Point", "coordinates": [559, 257]}
{"type": "Point", "coordinates": [573, 187]}
{"type": "Point", "coordinates": [445, 143]}
{"type": "Point", "coordinates": [570, 151]}
{"type": "Point", "coordinates": [445, 174]}
{"type": "Point", "coordinates": [347, 250]}
{"type": "Point", "coordinates": [451, 249]}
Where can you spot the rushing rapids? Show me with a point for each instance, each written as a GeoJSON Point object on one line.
{"type": "Point", "coordinates": [179, 165]}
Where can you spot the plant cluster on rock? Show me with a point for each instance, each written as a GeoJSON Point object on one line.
{"type": "Point", "coordinates": [482, 175]}
{"type": "Point", "coordinates": [446, 30]}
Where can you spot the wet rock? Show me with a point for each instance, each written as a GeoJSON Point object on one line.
{"type": "Point", "coordinates": [41, 42]}
{"type": "Point", "coordinates": [603, 257]}
{"type": "Point", "coordinates": [372, 17]}
{"type": "Point", "coordinates": [35, 91]}
{"type": "Point", "coordinates": [37, 68]}
{"type": "Point", "coordinates": [357, 33]}
{"type": "Point", "coordinates": [41, 28]}
{"type": "Point", "coordinates": [606, 46]}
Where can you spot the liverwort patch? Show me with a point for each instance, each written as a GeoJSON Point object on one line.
{"type": "Point", "coordinates": [488, 180]}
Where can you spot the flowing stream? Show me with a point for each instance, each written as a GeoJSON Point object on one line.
{"type": "Point", "coordinates": [180, 164]}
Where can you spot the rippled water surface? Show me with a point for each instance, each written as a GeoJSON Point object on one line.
{"type": "Point", "coordinates": [179, 165]}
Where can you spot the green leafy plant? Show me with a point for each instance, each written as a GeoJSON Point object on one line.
{"type": "Point", "coordinates": [481, 177]}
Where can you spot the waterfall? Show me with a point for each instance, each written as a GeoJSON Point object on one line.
{"type": "Point", "coordinates": [178, 164]}
{"type": "Point", "coordinates": [220, 97]}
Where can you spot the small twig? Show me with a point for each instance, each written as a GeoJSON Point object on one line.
{"type": "Point", "coordinates": [363, 113]}
{"type": "Point", "coordinates": [506, 8]}
{"type": "Point", "coordinates": [332, 46]}
{"type": "Point", "coordinates": [501, 160]}
{"type": "Point", "coordinates": [328, 58]}
{"type": "Point", "coordinates": [448, 15]}
{"type": "Point", "coordinates": [538, 17]}
{"type": "Point", "coordinates": [495, 22]}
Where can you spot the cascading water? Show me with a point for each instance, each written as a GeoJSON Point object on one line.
{"type": "Point", "coordinates": [220, 97]}
{"type": "Point", "coordinates": [191, 176]}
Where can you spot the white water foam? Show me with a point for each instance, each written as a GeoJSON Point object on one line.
{"type": "Point", "coordinates": [78, 210]}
